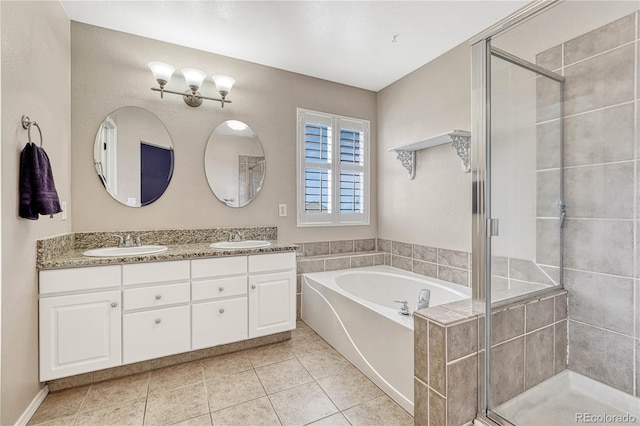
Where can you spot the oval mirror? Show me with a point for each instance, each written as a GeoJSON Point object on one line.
{"type": "Point", "coordinates": [133, 156]}
{"type": "Point", "coordinates": [234, 163]}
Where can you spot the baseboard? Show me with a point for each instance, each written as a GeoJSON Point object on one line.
{"type": "Point", "coordinates": [33, 407]}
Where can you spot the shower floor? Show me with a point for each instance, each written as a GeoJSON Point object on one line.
{"type": "Point", "coordinates": [570, 398]}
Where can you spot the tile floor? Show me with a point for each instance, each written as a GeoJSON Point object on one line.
{"type": "Point", "coordinates": [297, 382]}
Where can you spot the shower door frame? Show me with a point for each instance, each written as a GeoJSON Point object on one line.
{"type": "Point", "coordinates": [481, 53]}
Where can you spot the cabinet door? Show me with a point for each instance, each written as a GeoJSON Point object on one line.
{"type": "Point", "coordinates": [272, 303]}
{"type": "Point", "coordinates": [79, 333]}
{"type": "Point", "coordinates": [157, 333]}
{"type": "Point", "coordinates": [219, 322]}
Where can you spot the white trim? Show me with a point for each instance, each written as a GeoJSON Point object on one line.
{"type": "Point", "coordinates": [33, 407]}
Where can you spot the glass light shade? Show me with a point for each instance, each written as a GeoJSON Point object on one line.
{"type": "Point", "coordinates": [223, 83]}
{"type": "Point", "coordinates": [193, 77]}
{"type": "Point", "coordinates": [161, 71]}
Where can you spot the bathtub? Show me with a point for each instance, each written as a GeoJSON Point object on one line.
{"type": "Point", "coordinates": [355, 312]}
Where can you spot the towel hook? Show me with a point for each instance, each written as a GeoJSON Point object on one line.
{"type": "Point", "coordinates": [26, 124]}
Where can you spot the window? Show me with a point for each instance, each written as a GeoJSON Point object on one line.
{"type": "Point", "coordinates": [333, 170]}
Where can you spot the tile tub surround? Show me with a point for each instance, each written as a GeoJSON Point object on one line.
{"type": "Point", "coordinates": [299, 381]}
{"type": "Point", "coordinates": [66, 250]}
{"type": "Point", "coordinates": [332, 255]}
{"type": "Point", "coordinates": [447, 265]}
{"type": "Point", "coordinates": [446, 364]}
{"type": "Point", "coordinates": [602, 177]}
{"type": "Point", "coordinates": [529, 345]}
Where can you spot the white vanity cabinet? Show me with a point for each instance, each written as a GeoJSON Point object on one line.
{"type": "Point", "coordinates": [80, 321]}
{"type": "Point", "coordinates": [219, 309]}
{"type": "Point", "coordinates": [99, 317]}
{"type": "Point", "coordinates": [272, 293]}
{"type": "Point", "coordinates": [157, 319]}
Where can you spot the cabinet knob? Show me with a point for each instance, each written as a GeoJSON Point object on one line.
{"type": "Point", "coordinates": [221, 289]}
{"type": "Point", "coordinates": [158, 321]}
{"type": "Point", "coordinates": [114, 304]}
{"type": "Point", "coordinates": [158, 296]}
{"type": "Point", "coordinates": [253, 286]}
{"type": "Point", "coordinates": [221, 311]}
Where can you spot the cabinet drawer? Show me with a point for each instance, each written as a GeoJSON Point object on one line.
{"type": "Point", "coordinates": [147, 273]}
{"type": "Point", "coordinates": [219, 322]}
{"type": "Point", "coordinates": [74, 279]}
{"type": "Point", "coordinates": [157, 333]}
{"type": "Point", "coordinates": [218, 288]}
{"type": "Point", "coordinates": [156, 296]}
{"type": "Point", "coordinates": [205, 268]}
{"type": "Point", "coordinates": [272, 262]}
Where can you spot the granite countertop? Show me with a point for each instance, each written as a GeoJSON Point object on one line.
{"type": "Point", "coordinates": [74, 258]}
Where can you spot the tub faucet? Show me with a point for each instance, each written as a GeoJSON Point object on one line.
{"type": "Point", "coordinates": [404, 309]}
{"type": "Point", "coordinates": [423, 299]}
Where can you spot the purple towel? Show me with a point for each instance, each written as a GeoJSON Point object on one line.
{"type": "Point", "coordinates": [38, 193]}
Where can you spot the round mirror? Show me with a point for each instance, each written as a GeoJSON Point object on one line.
{"type": "Point", "coordinates": [133, 156]}
{"type": "Point", "coordinates": [234, 163]}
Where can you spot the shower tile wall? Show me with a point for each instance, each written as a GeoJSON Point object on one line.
{"type": "Point", "coordinates": [602, 193]}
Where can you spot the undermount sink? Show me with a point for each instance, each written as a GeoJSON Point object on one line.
{"type": "Point", "coordinates": [247, 244]}
{"type": "Point", "coordinates": [124, 251]}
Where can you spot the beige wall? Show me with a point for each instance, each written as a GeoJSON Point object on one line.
{"type": "Point", "coordinates": [434, 209]}
{"type": "Point", "coordinates": [110, 71]}
{"type": "Point", "coordinates": [35, 81]}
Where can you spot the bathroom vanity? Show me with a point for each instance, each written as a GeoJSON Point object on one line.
{"type": "Point", "coordinates": [97, 317]}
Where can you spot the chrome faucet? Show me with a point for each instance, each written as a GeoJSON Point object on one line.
{"type": "Point", "coordinates": [128, 241]}
{"type": "Point", "coordinates": [235, 236]}
{"type": "Point", "coordinates": [404, 309]}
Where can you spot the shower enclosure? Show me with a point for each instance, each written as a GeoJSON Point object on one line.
{"type": "Point", "coordinates": [556, 178]}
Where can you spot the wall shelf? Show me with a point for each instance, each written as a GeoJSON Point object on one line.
{"type": "Point", "coordinates": [459, 139]}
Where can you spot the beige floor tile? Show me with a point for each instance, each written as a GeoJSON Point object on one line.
{"type": "Point", "coordinates": [230, 390]}
{"type": "Point", "coordinates": [335, 420]}
{"type": "Point", "coordinates": [348, 390]}
{"type": "Point", "coordinates": [324, 363]}
{"type": "Point", "coordinates": [283, 375]}
{"type": "Point", "coordinates": [168, 378]}
{"type": "Point", "coordinates": [204, 420]}
{"type": "Point", "coordinates": [257, 412]}
{"type": "Point", "coordinates": [225, 364]}
{"type": "Point", "coordinates": [269, 354]}
{"type": "Point", "coordinates": [63, 421]}
{"type": "Point", "coordinates": [380, 411]}
{"type": "Point", "coordinates": [59, 404]}
{"type": "Point", "coordinates": [130, 413]}
{"type": "Point", "coordinates": [302, 404]}
{"type": "Point", "coordinates": [116, 391]}
{"type": "Point", "coordinates": [176, 405]}
{"type": "Point", "coordinates": [306, 343]}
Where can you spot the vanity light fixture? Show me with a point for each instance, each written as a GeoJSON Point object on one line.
{"type": "Point", "coordinates": [162, 73]}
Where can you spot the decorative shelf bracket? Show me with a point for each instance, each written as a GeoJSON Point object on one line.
{"type": "Point", "coordinates": [462, 144]}
{"type": "Point", "coordinates": [459, 139]}
{"type": "Point", "coordinates": [408, 160]}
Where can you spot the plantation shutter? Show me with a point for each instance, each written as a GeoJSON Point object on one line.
{"type": "Point", "coordinates": [332, 171]}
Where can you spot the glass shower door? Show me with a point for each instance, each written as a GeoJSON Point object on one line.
{"type": "Point", "coordinates": [526, 210]}
{"type": "Point", "coordinates": [526, 178]}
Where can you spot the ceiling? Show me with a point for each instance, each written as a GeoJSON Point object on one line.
{"type": "Point", "coordinates": [348, 42]}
